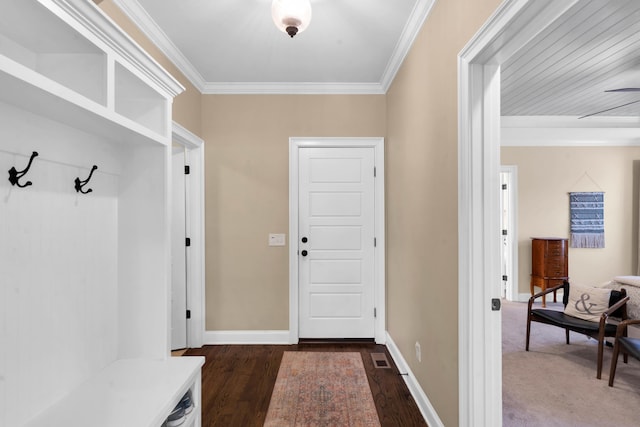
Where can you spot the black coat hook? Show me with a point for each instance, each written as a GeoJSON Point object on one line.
{"type": "Point", "coordinates": [14, 175]}
{"type": "Point", "coordinates": [81, 184]}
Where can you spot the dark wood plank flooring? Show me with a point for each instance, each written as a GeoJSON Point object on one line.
{"type": "Point", "coordinates": [237, 382]}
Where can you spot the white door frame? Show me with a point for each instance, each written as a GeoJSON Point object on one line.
{"type": "Point", "coordinates": [512, 188]}
{"type": "Point", "coordinates": [479, 327]}
{"type": "Point", "coordinates": [194, 196]}
{"type": "Point", "coordinates": [379, 286]}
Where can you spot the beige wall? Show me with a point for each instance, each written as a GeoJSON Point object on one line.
{"type": "Point", "coordinates": [546, 175]}
{"type": "Point", "coordinates": [422, 192]}
{"type": "Point", "coordinates": [186, 106]}
{"type": "Point", "coordinates": [247, 187]}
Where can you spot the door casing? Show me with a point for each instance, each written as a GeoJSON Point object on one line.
{"type": "Point", "coordinates": [377, 143]}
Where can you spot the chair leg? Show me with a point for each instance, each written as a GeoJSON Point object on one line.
{"type": "Point", "coordinates": [567, 333]}
{"type": "Point", "coordinates": [528, 331]}
{"type": "Point", "coordinates": [600, 353]}
{"type": "Point", "coordinates": [614, 362]}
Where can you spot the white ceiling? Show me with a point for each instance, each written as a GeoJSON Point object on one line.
{"type": "Point", "coordinates": [357, 46]}
{"type": "Point", "coordinates": [565, 70]}
{"type": "Point", "coordinates": [233, 46]}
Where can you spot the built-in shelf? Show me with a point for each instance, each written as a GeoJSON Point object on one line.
{"type": "Point", "coordinates": [128, 393]}
{"type": "Point", "coordinates": [86, 277]}
{"type": "Point", "coordinates": [50, 47]}
{"type": "Point", "coordinates": [138, 101]}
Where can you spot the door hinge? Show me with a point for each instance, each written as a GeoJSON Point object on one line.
{"type": "Point", "coordinates": [504, 186]}
{"type": "Point", "coordinates": [187, 170]}
{"type": "Point", "coordinates": [504, 232]}
{"type": "Point", "coordinates": [375, 312]}
{"type": "Point", "coordinates": [188, 314]}
{"type": "Point", "coordinates": [374, 171]}
{"type": "Point", "coordinates": [187, 242]}
{"type": "Point", "coordinates": [505, 278]}
{"type": "Point", "coordinates": [375, 242]}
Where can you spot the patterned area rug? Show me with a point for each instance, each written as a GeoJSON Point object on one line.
{"type": "Point", "coordinates": [316, 389]}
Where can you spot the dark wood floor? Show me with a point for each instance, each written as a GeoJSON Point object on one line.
{"type": "Point", "coordinates": [237, 382]}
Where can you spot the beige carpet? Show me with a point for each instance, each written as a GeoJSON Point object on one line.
{"type": "Point", "coordinates": [555, 384]}
{"type": "Point", "coordinates": [316, 389]}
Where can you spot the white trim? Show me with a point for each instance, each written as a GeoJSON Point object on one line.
{"type": "Point", "coordinates": [411, 30]}
{"type": "Point", "coordinates": [307, 88]}
{"type": "Point", "coordinates": [153, 32]}
{"type": "Point", "coordinates": [426, 408]}
{"type": "Point", "coordinates": [195, 227]}
{"type": "Point", "coordinates": [380, 287]}
{"type": "Point", "coordinates": [479, 337]}
{"type": "Point", "coordinates": [246, 337]}
{"type": "Point", "coordinates": [548, 131]}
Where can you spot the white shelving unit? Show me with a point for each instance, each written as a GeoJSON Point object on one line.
{"type": "Point", "coordinates": [85, 289]}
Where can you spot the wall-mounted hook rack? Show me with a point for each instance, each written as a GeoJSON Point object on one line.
{"type": "Point", "coordinates": [14, 175]}
{"type": "Point", "coordinates": [80, 184]}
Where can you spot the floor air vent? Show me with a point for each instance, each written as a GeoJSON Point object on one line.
{"type": "Point", "coordinates": [380, 360]}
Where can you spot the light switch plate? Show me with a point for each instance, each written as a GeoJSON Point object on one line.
{"type": "Point", "coordinates": [276, 239]}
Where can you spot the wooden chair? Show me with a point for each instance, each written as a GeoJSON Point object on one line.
{"type": "Point", "coordinates": [598, 330]}
{"type": "Point", "coordinates": [629, 346]}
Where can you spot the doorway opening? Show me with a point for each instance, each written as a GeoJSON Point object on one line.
{"type": "Point", "coordinates": [190, 315]}
{"type": "Point", "coordinates": [480, 331]}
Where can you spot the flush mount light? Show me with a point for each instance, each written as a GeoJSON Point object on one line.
{"type": "Point", "coordinates": [291, 16]}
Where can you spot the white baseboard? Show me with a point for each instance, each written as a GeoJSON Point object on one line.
{"type": "Point", "coordinates": [428, 412]}
{"type": "Point", "coordinates": [246, 337]}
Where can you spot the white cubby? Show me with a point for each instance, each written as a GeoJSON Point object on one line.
{"type": "Point", "coordinates": [50, 47]}
{"type": "Point", "coordinates": [85, 294]}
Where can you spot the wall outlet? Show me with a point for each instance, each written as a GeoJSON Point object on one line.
{"type": "Point", "coordinates": [418, 352]}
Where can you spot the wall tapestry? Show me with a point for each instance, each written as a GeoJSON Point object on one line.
{"type": "Point", "coordinates": [587, 219]}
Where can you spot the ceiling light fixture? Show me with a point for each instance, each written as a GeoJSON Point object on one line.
{"type": "Point", "coordinates": [291, 16]}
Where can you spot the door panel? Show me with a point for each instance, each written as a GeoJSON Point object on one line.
{"type": "Point", "coordinates": [336, 215]}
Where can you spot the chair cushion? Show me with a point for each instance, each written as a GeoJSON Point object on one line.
{"type": "Point", "coordinates": [564, 320]}
{"type": "Point", "coordinates": [631, 345]}
{"type": "Point", "coordinates": [587, 303]}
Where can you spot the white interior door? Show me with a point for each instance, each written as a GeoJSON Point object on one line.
{"type": "Point", "coordinates": [178, 253]}
{"type": "Point", "coordinates": [336, 242]}
{"type": "Point", "coordinates": [508, 227]}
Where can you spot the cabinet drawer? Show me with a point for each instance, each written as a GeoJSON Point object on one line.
{"type": "Point", "coordinates": [556, 248]}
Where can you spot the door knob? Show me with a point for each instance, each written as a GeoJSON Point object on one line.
{"type": "Point", "coordinates": [305, 240]}
{"type": "Point", "coordinates": [304, 253]}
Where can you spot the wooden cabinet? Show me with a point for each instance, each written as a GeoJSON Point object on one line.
{"type": "Point", "coordinates": [549, 263]}
{"type": "Point", "coordinates": [85, 283]}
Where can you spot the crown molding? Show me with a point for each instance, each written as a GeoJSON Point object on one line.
{"type": "Point", "coordinates": [566, 131]}
{"type": "Point", "coordinates": [151, 30]}
{"type": "Point", "coordinates": [309, 88]}
{"type": "Point", "coordinates": [418, 15]}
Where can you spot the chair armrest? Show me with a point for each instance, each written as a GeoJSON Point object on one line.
{"type": "Point", "coordinates": [547, 291]}
{"type": "Point", "coordinates": [612, 309]}
{"type": "Point", "coordinates": [622, 326]}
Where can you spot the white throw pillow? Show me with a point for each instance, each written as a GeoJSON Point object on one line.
{"type": "Point", "coordinates": [587, 303]}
